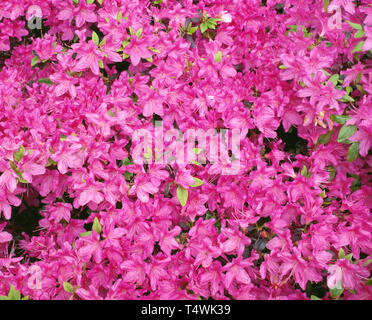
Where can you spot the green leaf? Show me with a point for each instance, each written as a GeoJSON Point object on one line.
{"type": "Point", "coordinates": [192, 30]}
{"type": "Point", "coordinates": [128, 175]}
{"type": "Point", "coordinates": [341, 254]}
{"type": "Point", "coordinates": [46, 81]}
{"type": "Point", "coordinates": [126, 162]}
{"type": "Point", "coordinates": [314, 298]}
{"type": "Point", "coordinates": [4, 298]}
{"type": "Point", "coordinates": [68, 287]}
{"type": "Point", "coordinates": [326, 72]}
{"type": "Point", "coordinates": [100, 1]}
{"type": "Point", "coordinates": [153, 49]}
{"type": "Point", "coordinates": [125, 43]}
{"type": "Point", "coordinates": [353, 152]}
{"type": "Point", "coordinates": [211, 24]}
{"type": "Point", "coordinates": [349, 257]}
{"type": "Point", "coordinates": [25, 298]}
{"type": "Point", "coordinates": [21, 180]}
{"type": "Point", "coordinates": [35, 60]}
{"type": "Point", "coordinates": [332, 172]}
{"type": "Point", "coordinates": [367, 262]}
{"type": "Point", "coordinates": [208, 215]}
{"type": "Point", "coordinates": [347, 98]}
{"type": "Point", "coordinates": [203, 27]}
{"type": "Point", "coordinates": [111, 114]}
{"type": "Point", "coordinates": [359, 34]}
{"type": "Point", "coordinates": [214, 20]}
{"type": "Point", "coordinates": [90, 1]}
{"type": "Point", "coordinates": [282, 66]}
{"type": "Point", "coordinates": [95, 38]}
{"type": "Point", "coordinates": [18, 155]}
{"type": "Point", "coordinates": [85, 234]}
{"type": "Point", "coordinates": [305, 172]}
{"type": "Point", "coordinates": [19, 173]}
{"type": "Point", "coordinates": [340, 119]}
{"type": "Point", "coordinates": [323, 194]}
{"type": "Point", "coordinates": [360, 88]}
{"type": "Point", "coordinates": [334, 79]}
{"type": "Point", "coordinates": [139, 33]}
{"type": "Point", "coordinates": [182, 195]}
{"type": "Point", "coordinates": [358, 47]}
{"type": "Point", "coordinates": [218, 56]}
{"type": "Point", "coordinates": [337, 291]}
{"type": "Point", "coordinates": [197, 150]}
{"type": "Point", "coordinates": [306, 33]}
{"type": "Point", "coordinates": [325, 5]}
{"type": "Point", "coordinates": [14, 294]}
{"type": "Point", "coordinates": [325, 138]}
{"type": "Point", "coordinates": [75, 1]}
{"type": "Point", "coordinates": [102, 42]}
{"type": "Point", "coordinates": [345, 133]}
{"type": "Point", "coordinates": [369, 281]}
{"type": "Point", "coordinates": [354, 25]}
{"type": "Point", "coordinates": [119, 16]}
{"type": "Point", "coordinates": [197, 182]}
{"type": "Point", "coordinates": [148, 155]}
{"type": "Point", "coordinates": [97, 226]}
{"type": "Point", "coordinates": [293, 28]}
{"type": "Point", "coordinates": [100, 62]}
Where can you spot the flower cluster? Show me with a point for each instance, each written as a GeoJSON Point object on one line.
{"type": "Point", "coordinates": [80, 219]}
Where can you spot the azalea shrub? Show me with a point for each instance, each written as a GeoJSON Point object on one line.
{"type": "Point", "coordinates": [82, 218]}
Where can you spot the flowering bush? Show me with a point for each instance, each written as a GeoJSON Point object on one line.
{"type": "Point", "coordinates": [82, 218]}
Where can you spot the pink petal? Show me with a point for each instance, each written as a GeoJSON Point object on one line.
{"type": "Point", "coordinates": [5, 237]}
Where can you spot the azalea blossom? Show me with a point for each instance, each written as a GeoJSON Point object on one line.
{"type": "Point", "coordinates": [100, 100]}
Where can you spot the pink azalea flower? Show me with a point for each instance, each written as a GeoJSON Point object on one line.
{"type": "Point", "coordinates": [137, 49]}
{"type": "Point", "coordinates": [88, 56]}
{"type": "Point", "coordinates": [4, 236]}
{"type": "Point", "coordinates": [82, 13]}
{"type": "Point", "coordinates": [184, 178]}
{"type": "Point", "coordinates": [348, 274]}
{"type": "Point", "coordinates": [168, 241]}
{"type": "Point", "coordinates": [60, 211]}
{"type": "Point", "coordinates": [235, 271]}
{"type": "Point", "coordinates": [276, 203]}
{"type": "Point", "coordinates": [301, 271]}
